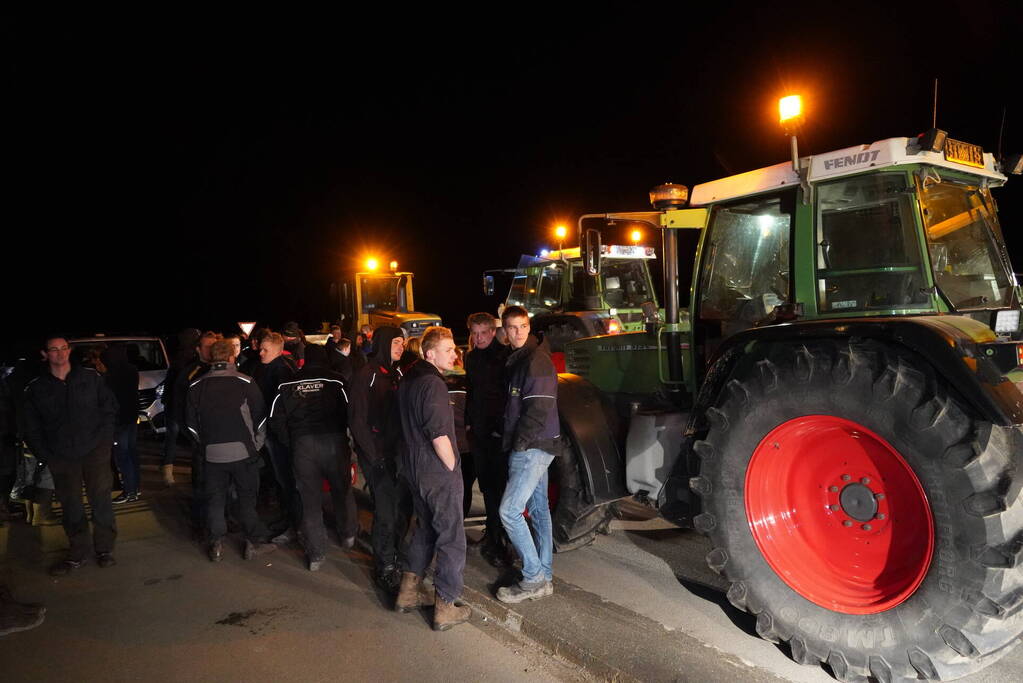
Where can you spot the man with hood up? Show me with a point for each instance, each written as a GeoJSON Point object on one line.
{"type": "Point", "coordinates": [376, 429]}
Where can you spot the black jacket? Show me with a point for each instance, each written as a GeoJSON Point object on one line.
{"type": "Point", "coordinates": [426, 414]}
{"type": "Point", "coordinates": [184, 379]}
{"type": "Point", "coordinates": [123, 379]}
{"type": "Point", "coordinates": [69, 418]}
{"type": "Point", "coordinates": [456, 396]}
{"type": "Point", "coordinates": [373, 414]}
{"type": "Point", "coordinates": [226, 414]}
{"type": "Point", "coordinates": [531, 416]}
{"type": "Point", "coordinates": [485, 389]}
{"type": "Point", "coordinates": [313, 402]}
{"type": "Point", "coordinates": [271, 375]}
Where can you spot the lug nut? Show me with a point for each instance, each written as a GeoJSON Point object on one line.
{"type": "Point", "coordinates": [867, 527]}
{"type": "Point", "coordinates": [833, 507]}
{"type": "Point", "coordinates": [847, 523]}
{"type": "Point", "coordinates": [865, 480]}
{"type": "Point", "coordinates": [833, 489]}
{"type": "Point", "coordinates": [846, 477]}
{"type": "Point", "coordinates": [882, 516]}
{"type": "Point", "coordinates": [879, 496]}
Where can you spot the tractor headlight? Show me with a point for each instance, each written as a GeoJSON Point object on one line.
{"type": "Point", "coordinates": [1007, 322]}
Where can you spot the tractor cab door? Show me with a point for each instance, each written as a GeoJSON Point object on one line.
{"type": "Point", "coordinates": [744, 276]}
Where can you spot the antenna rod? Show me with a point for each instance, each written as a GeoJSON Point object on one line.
{"type": "Point", "coordinates": [934, 111]}
{"type": "Point", "coordinates": [1001, 132]}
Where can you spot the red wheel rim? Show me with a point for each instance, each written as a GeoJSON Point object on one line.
{"type": "Point", "coordinates": [839, 515]}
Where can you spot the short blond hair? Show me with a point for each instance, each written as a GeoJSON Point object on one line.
{"type": "Point", "coordinates": [273, 339]}
{"type": "Point", "coordinates": [222, 351]}
{"type": "Point", "coordinates": [432, 337]}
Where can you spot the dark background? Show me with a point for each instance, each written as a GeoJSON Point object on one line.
{"type": "Point", "coordinates": [164, 171]}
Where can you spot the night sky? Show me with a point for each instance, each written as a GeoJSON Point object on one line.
{"type": "Point", "coordinates": [164, 171]}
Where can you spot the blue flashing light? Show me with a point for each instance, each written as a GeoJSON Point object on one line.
{"type": "Point", "coordinates": [544, 252]}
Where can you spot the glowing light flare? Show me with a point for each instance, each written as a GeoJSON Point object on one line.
{"type": "Point", "coordinates": [613, 327]}
{"type": "Point", "coordinates": [372, 264]}
{"type": "Point", "coordinates": [560, 232]}
{"type": "Point", "coordinates": [636, 236]}
{"type": "Point", "coordinates": [394, 265]}
{"type": "Point", "coordinates": [790, 108]}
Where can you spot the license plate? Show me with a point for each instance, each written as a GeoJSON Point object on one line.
{"type": "Point", "coordinates": [964, 153]}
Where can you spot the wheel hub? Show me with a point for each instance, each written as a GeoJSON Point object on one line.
{"type": "Point", "coordinates": [839, 514]}
{"type": "Point", "coordinates": [858, 502]}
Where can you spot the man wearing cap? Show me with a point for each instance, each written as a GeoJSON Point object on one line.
{"type": "Point", "coordinates": [294, 343]}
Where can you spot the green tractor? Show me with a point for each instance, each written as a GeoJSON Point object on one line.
{"type": "Point", "coordinates": [566, 300]}
{"type": "Point", "coordinates": [834, 399]}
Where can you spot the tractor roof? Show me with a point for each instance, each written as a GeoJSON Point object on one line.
{"type": "Point", "coordinates": [848, 161]}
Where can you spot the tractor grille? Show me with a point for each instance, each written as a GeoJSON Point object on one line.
{"type": "Point", "coordinates": [577, 361]}
{"type": "Point", "coordinates": [146, 398]}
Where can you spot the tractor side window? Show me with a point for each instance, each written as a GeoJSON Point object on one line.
{"type": "Point", "coordinates": [625, 283]}
{"type": "Point", "coordinates": [584, 290]}
{"type": "Point", "coordinates": [868, 254]}
{"type": "Point", "coordinates": [549, 295]}
{"type": "Point", "coordinates": [746, 267]}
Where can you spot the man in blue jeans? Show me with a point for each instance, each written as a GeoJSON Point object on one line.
{"type": "Point", "coordinates": [532, 434]}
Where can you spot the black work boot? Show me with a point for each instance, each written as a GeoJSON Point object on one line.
{"type": "Point", "coordinates": [388, 579]}
{"type": "Point", "coordinates": [216, 550]}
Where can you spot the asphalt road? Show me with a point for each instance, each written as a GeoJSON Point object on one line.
{"type": "Point", "coordinates": [639, 604]}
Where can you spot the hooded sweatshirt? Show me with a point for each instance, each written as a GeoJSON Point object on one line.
{"type": "Point", "coordinates": [373, 416]}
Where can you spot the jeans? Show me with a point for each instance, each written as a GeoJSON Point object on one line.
{"type": "Point", "coordinates": [527, 489]}
{"type": "Point", "coordinates": [68, 475]}
{"type": "Point", "coordinates": [318, 457]}
{"type": "Point", "coordinates": [244, 474]}
{"type": "Point", "coordinates": [126, 456]}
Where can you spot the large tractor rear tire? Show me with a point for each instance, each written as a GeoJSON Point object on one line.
{"type": "Point", "coordinates": [576, 520]}
{"type": "Point", "coordinates": [864, 513]}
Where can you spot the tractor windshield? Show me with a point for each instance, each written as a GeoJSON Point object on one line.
{"type": "Point", "coordinates": [379, 293]}
{"type": "Point", "coordinates": [626, 283]}
{"type": "Point", "coordinates": [965, 243]}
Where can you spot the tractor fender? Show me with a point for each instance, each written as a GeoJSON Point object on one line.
{"type": "Point", "coordinates": [591, 425]}
{"type": "Point", "coordinates": [954, 346]}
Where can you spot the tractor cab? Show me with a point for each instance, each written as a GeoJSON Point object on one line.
{"type": "Point", "coordinates": [382, 297]}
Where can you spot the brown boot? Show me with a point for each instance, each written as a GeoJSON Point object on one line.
{"type": "Point", "coordinates": [447, 614]}
{"type": "Point", "coordinates": [168, 474]}
{"type": "Point", "coordinates": [409, 598]}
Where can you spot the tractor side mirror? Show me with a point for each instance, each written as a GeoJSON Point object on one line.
{"type": "Point", "coordinates": [488, 285]}
{"type": "Point", "coordinates": [592, 251]}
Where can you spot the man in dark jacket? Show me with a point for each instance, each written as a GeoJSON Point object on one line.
{"type": "Point", "coordinates": [123, 379]}
{"type": "Point", "coordinates": [185, 354]}
{"type": "Point", "coordinates": [532, 435]}
{"type": "Point", "coordinates": [199, 366]}
{"type": "Point", "coordinates": [275, 369]}
{"type": "Point", "coordinates": [341, 360]}
{"type": "Point", "coordinates": [227, 417]}
{"type": "Point", "coordinates": [376, 429]}
{"type": "Point", "coordinates": [310, 417]}
{"type": "Point", "coordinates": [294, 343]}
{"type": "Point", "coordinates": [484, 419]}
{"type": "Point", "coordinates": [431, 462]}
{"type": "Point", "coordinates": [69, 425]}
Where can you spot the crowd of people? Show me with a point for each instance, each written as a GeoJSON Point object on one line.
{"type": "Point", "coordinates": [423, 423]}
